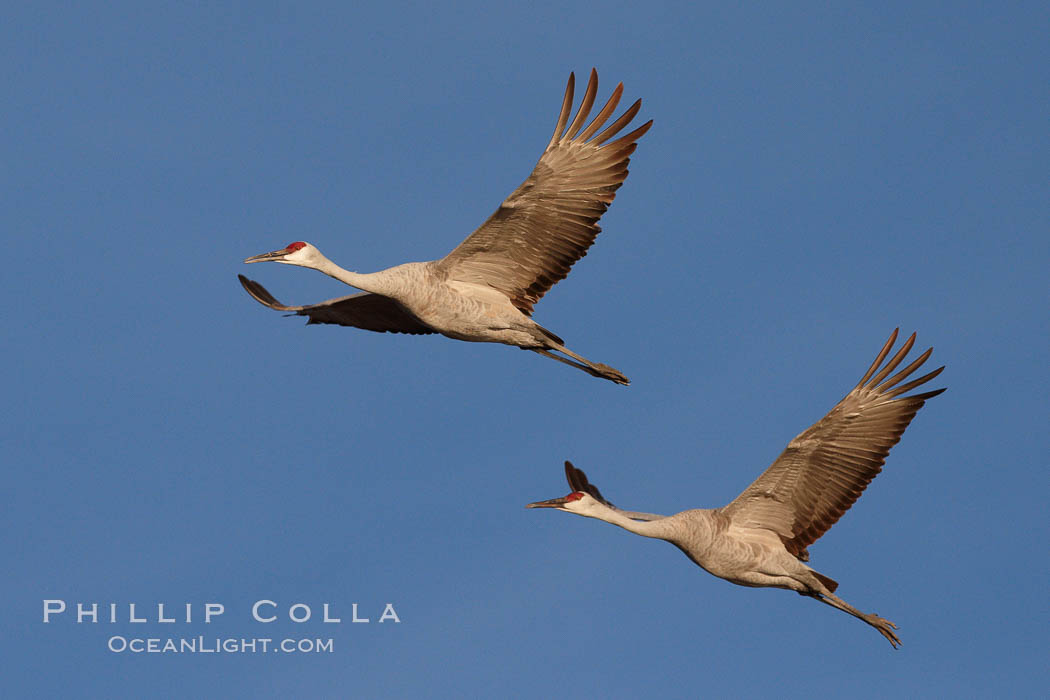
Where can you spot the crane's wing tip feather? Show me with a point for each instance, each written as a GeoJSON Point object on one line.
{"type": "Point", "coordinates": [633, 136]}
{"type": "Point", "coordinates": [585, 107]}
{"type": "Point", "coordinates": [570, 474]}
{"type": "Point", "coordinates": [261, 295]}
{"type": "Point", "coordinates": [889, 388]}
{"type": "Point", "coordinates": [930, 394]}
{"type": "Point", "coordinates": [578, 482]}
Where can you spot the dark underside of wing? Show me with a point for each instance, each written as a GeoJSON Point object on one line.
{"type": "Point", "coordinates": [371, 312]}
{"type": "Point", "coordinates": [578, 482]}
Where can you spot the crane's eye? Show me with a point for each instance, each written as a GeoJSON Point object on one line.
{"type": "Point", "coordinates": [292, 247]}
{"type": "Point", "coordinates": [575, 496]}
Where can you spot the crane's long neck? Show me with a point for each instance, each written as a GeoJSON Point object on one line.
{"type": "Point", "coordinates": [375, 282]}
{"type": "Point", "coordinates": [658, 528]}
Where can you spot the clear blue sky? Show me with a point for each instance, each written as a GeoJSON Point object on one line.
{"type": "Point", "coordinates": [815, 177]}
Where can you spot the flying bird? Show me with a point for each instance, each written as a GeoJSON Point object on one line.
{"type": "Point", "coordinates": [760, 539]}
{"type": "Point", "coordinates": [485, 289]}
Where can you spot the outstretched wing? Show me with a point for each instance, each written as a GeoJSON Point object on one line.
{"type": "Point", "coordinates": [824, 470]}
{"type": "Point", "coordinates": [578, 482]}
{"type": "Point", "coordinates": [550, 220]}
{"type": "Point", "coordinates": [372, 312]}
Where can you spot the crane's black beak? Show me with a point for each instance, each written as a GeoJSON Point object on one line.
{"type": "Point", "coordinates": [553, 503]}
{"type": "Point", "coordinates": [272, 256]}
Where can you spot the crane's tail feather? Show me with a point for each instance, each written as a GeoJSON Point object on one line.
{"type": "Point", "coordinates": [828, 582]}
{"type": "Point", "coordinates": [550, 334]}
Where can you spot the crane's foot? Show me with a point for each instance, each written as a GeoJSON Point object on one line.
{"type": "Point", "coordinates": [607, 372]}
{"type": "Point", "coordinates": [885, 627]}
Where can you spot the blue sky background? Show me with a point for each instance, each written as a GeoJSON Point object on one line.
{"type": "Point", "coordinates": [815, 177]}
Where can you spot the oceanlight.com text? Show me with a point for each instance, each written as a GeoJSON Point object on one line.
{"type": "Point", "coordinates": [218, 645]}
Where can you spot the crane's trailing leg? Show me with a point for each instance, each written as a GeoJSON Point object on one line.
{"type": "Point", "coordinates": [884, 626]}
{"type": "Point", "coordinates": [596, 369]}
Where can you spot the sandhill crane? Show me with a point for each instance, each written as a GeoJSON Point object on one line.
{"type": "Point", "coordinates": [760, 538]}
{"type": "Point", "coordinates": [485, 289]}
